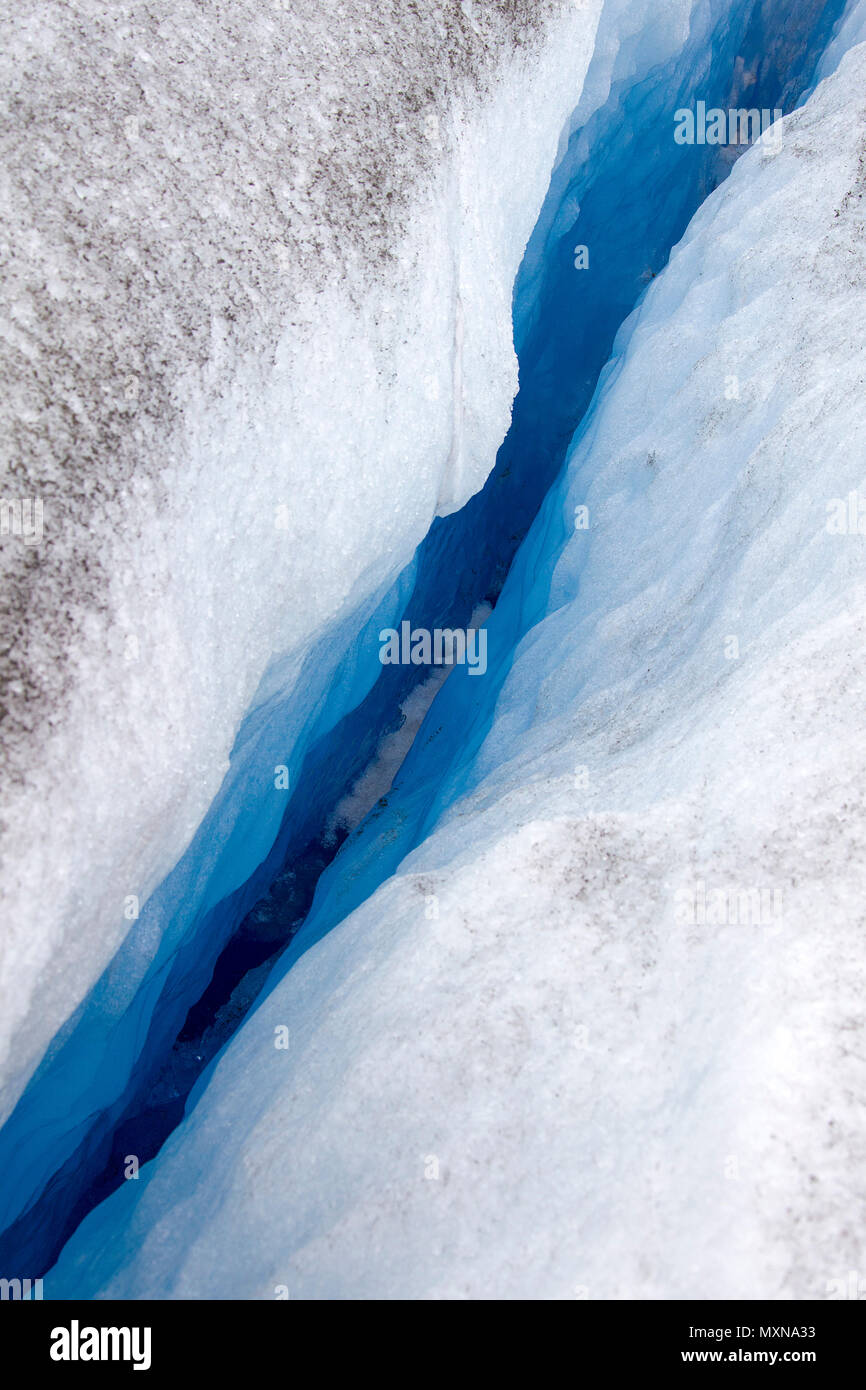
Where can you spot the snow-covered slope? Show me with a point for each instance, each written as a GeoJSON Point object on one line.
{"type": "Point", "coordinates": [256, 333]}
{"type": "Point", "coordinates": [601, 1034]}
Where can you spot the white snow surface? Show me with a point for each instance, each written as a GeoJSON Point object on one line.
{"type": "Point", "coordinates": [559, 1086]}
{"type": "Point", "coordinates": [256, 334]}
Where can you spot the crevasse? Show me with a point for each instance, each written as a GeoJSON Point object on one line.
{"type": "Point", "coordinates": [618, 187]}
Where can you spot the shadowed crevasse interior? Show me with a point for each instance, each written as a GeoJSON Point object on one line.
{"type": "Point", "coordinates": [118, 1081]}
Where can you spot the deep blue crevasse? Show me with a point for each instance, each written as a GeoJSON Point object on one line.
{"type": "Point", "coordinates": [263, 880]}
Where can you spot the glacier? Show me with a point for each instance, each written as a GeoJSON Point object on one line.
{"type": "Point", "coordinates": [574, 1012]}
{"type": "Point", "coordinates": [320, 709]}
{"type": "Point", "coordinates": [232, 324]}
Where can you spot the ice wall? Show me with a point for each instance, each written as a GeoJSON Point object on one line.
{"type": "Point", "coordinates": [532, 1063]}
{"type": "Point", "coordinates": [256, 335]}
{"type": "Point", "coordinates": [851, 31]}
